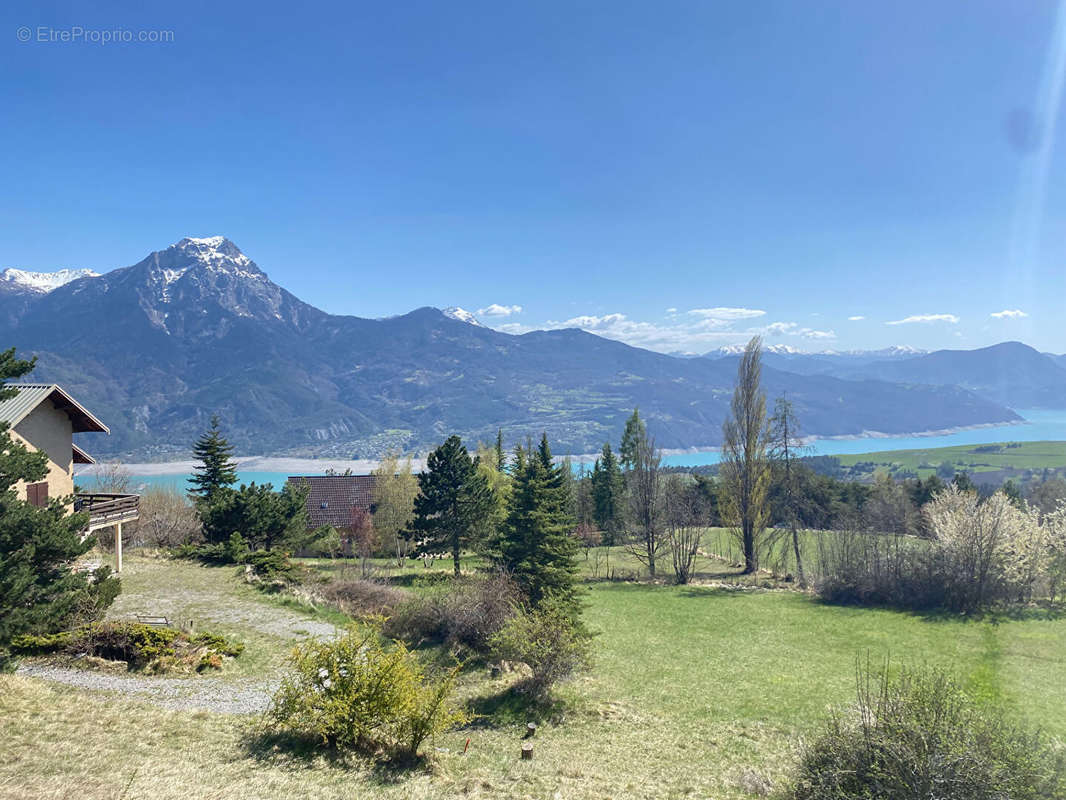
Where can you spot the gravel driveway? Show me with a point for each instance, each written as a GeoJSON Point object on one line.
{"type": "Point", "coordinates": [221, 695]}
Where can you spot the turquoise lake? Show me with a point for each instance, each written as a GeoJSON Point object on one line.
{"type": "Point", "coordinates": [1039, 425]}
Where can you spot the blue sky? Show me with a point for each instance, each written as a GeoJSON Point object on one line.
{"type": "Point", "coordinates": [813, 171]}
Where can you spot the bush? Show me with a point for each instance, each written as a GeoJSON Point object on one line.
{"type": "Point", "coordinates": [981, 554]}
{"type": "Point", "coordinates": [468, 613]}
{"type": "Point", "coordinates": [140, 646]}
{"type": "Point", "coordinates": [362, 598]}
{"type": "Point", "coordinates": [265, 518]}
{"type": "Point", "coordinates": [548, 641]}
{"type": "Point", "coordinates": [166, 519]}
{"type": "Point", "coordinates": [920, 737]}
{"type": "Point", "coordinates": [272, 565]}
{"type": "Point", "coordinates": [356, 692]}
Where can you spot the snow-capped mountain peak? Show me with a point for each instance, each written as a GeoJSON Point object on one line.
{"type": "Point", "coordinates": [43, 282]}
{"type": "Point", "coordinates": [215, 252]}
{"type": "Point", "coordinates": [462, 315]}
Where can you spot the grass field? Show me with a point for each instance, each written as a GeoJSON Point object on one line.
{"type": "Point", "coordinates": [699, 691]}
{"type": "Point", "coordinates": [969, 458]}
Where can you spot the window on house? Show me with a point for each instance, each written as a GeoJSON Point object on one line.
{"type": "Point", "coordinates": [37, 494]}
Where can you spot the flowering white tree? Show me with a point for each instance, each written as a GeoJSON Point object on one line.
{"type": "Point", "coordinates": [1054, 525]}
{"type": "Point", "coordinates": [987, 548]}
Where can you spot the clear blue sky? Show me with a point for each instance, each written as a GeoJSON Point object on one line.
{"type": "Point", "coordinates": [811, 161]}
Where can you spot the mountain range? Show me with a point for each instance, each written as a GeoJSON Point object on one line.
{"type": "Point", "coordinates": [198, 328]}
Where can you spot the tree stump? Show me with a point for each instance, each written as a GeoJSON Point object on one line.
{"type": "Point", "coordinates": [531, 730]}
{"type": "Point", "coordinates": [527, 752]}
{"type": "Point", "coordinates": [494, 671]}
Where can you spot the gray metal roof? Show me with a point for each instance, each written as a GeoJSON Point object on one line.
{"type": "Point", "coordinates": [31, 395]}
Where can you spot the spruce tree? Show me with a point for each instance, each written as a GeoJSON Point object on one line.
{"type": "Point", "coordinates": [632, 436]}
{"type": "Point", "coordinates": [537, 546]}
{"type": "Point", "coordinates": [453, 502]}
{"type": "Point", "coordinates": [39, 591]}
{"type": "Point", "coordinates": [608, 495]}
{"type": "Point", "coordinates": [217, 469]}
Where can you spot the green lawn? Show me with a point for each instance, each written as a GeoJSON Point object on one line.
{"type": "Point", "coordinates": [697, 692]}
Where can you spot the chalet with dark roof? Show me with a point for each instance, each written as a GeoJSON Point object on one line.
{"type": "Point", "coordinates": [332, 499]}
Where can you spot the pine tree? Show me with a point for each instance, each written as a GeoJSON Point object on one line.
{"type": "Point", "coordinates": [537, 547]}
{"type": "Point", "coordinates": [453, 502]}
{"type": "Point", "coordinates": [632, 436]}
{"type": "Point", "coordinates": [217, 469]}
{"type": "Point", "coordinates": [608, 495]}
{"type": "Point", "coordinates": [39, 591]}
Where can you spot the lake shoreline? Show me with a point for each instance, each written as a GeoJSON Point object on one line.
{"type": "Point", "coordinates": [319, 466]}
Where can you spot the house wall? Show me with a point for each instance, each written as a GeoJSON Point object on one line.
{"type": "Point", "coordinates": [49, 430]}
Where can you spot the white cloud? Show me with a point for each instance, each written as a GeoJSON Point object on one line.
{"type": "Point", "coordinates": [496, 310]}
{"type": "Point", "coordinates": [794, 329]}
{"type": "Point", "coordinates": [1009, 313]}
{"type": "Point", "coordinates": [727, 313]}
{"type": "Point", "coordinates": [925, 318]}
{"type": "Point", "coordinates": [856, 318]}
{"type": "Point", "coordinates": [671, 311]}
{"type": "Point", "coordinates": [779, 328]}
{"type": "Point", "coordinates": [808, 333]}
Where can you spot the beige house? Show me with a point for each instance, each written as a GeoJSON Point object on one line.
{"type": "Point", "coordinates": [45, 418]}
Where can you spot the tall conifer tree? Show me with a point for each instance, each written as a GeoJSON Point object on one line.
{"type": "Point", "coordinates": [453, 501]}
{"type": "Point", "coordinates": [537, 547]}
{"type": "Point", "coordinates": [217, 469]}
{"type": "Point", "coordinates": [608, 495]}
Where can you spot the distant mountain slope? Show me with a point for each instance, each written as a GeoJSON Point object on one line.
{"type": "Point", "coordinates": [1010, 373]}
{"type": "Point", "coordinates": [197, 328]}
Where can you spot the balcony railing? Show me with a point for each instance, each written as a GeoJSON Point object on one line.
{"type": "Point", "coordinates": [105, 510]}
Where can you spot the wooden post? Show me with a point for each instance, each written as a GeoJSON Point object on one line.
{"type": "Point", "coordinates": [527, 752]}
{"type": "Point", "coordinates": [118, 547]}
{"type": "Point", "coordinates": [531, 730]}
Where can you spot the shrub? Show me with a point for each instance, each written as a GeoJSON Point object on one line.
{"type": "Point", "coordinates": [357, 692]}
{"type": "Point", "coordinates": [272, 565]}
{"type": "Point", "coordinates": [140, 646]}
{"type": "Point", "coordinates": [548, 641]}
{"type": "Point", "coordinates": [920, 736]}
{"type": "Point", "coordinates": [362, 598]}
{"type": "Point", "coordinates": [265, 518]}
{"type": "Point", "coordinates": [166, 519]}
{"type": "Point", "coordinates": [468, 613]}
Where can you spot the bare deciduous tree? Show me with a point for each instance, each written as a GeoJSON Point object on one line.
{"type": "Point", "coordinates": [112, 477]}
{"type": "Point", "coordinates": [686, 514]}
{"type": "Point", "coordinates": [166, 519]}
{"type": "Point", "coordinates": [785, 445]}
{"type": "Point", "coordinates": [647, 540]}
{"type": "Point", "coordinates": [745, 467]}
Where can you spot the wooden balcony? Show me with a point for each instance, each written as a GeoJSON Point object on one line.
{"type": "Point", "coordinates": [106, 510]}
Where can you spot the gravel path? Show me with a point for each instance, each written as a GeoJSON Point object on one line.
{"type": "Point", "coordinates": [221, 695]}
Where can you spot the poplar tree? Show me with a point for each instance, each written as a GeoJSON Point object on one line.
{"type": "Point", "coordinates": [453, 501]}
{"type": "Point", "coordinates": [745, 466]}
{"type": "Point", "coordinates": [537, 547]}
{"type": "Point", "coordinates": [217, 469]}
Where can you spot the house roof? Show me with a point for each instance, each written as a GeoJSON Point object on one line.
{"type": "Point", "coordinates": [30, 395]}
{"type": "Point", "coordinates": [81, 457]}
{"type": "Point", "coordinates": [331, 498]}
